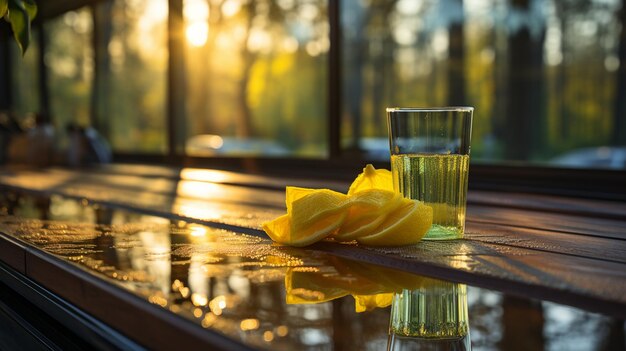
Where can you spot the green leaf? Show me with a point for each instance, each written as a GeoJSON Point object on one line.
{"type": "Point", "coordinates": [20, 23]}
{"type": "Point", "coordinates": [4, 7]}
{"type": "Point", "coordinates": [31, 8]}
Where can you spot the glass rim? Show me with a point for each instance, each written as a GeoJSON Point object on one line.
{"type": "Point", "coordinates": [431, 109]}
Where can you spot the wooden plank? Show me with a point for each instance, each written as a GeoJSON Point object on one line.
{"type": "Point", "coordinates": [140, 174]}
{"type": "Point", "coordinates": [247, 207]}
{"type": "Point", "coordinates": [12, 253]}
{"type": "Point", "coordinates": [574, 224]}
{"type": "Point", "coordinates": [216, 204]}
{"type": "Point", "coordinates": [93, 185]}
{"type": "Point", "coordinates": [581, 282]}
{"type": "Point", "coordinates": [547, 203]}
{"type": "Point", "coordinates": [212, 176]}
{"type": "Point", "coordinates": [543, 240]}
{"type": "Point", "coordinates": [96, 187]}
{"type": "Point", "coordinates": [559, 204]}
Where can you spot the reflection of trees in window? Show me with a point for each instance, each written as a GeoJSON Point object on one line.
{"type": "Point", "coordinates": [259, 71]}
{"type": "Point", "coordinates": [23, 93]}
{"type": "Point", "coordinates": [546, 76]}
{"type": "Point", "coordinates": [107, 65]}
{"type": "Point", "coordinates": [523, 128]}
{"type": "Point", "coordinates": [619, 115]}
{"type": "Point", "coordinates": [400, 53]}
{"type": "Point", "coordinates": [69, 58]}
{"type": "Point", "coordinates": [368, 56]}
{"type": "Point", "coordinates": [541, 73]}
{"type": "Point", "coordinates": [136, 91]}
{"type": "Point", "coordinates": [581, 57]}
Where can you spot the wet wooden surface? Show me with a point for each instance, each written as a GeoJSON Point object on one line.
{"type": "Point", "coordinates": [571, 251]}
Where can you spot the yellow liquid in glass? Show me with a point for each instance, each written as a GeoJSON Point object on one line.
{"type": "Point", "coordinates": [440, 181]}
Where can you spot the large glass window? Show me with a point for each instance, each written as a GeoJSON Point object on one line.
{"type": "Point", "coordinates": [256, 77]}
{"type": "Point", "coordinates": [544, 76]}
{"type": "Point", "coordinates": [547, 78]}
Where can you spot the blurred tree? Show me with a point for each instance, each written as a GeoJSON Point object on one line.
{"type": "Point", "coordinates": [138, 59]}
{"type": "Point", "coordinates": [523, 130]}
{"type": "Point", "coordinates": [561, 79]}
{"type": "Point", "coordinates": [69, 61]}
{"type": "Point", "coordinates": [456, 57]}
{"type": "Point", "coordinates": [245, 128]}
{"type": "Point", "coordinates": [102, 14]}
{"type": "Point", "coordinates": [355, 57]}
{"type": "Point", "coordinates": [176, 75]}
{"type": "Point", "coordinates": [6, 98]}
{"type": "Point", "coordinates": [619, 114]}
{"type": "Point", "coordinates": [368, 44]}
{"type": "Point", "coordinates": [382, 52]}
{"type": "Point", "coordinates": [199, 106]}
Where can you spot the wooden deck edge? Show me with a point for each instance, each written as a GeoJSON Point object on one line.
{"type": "Point", "coordinates": [147, 324]}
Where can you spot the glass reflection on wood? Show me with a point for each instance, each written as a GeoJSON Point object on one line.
{"type": "Point", "coordinates": [432, 317]}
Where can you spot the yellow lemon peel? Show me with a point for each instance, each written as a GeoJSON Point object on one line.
{"type": "Point", "coordinates": [372, 178]}
{"type": "Point", "coordinates": [293, 193]}
{"type": "Point", "coordinates": [406, 226]}
{"type": "Point", "coordinates": [371, 213]}
{"type": "Point", "coordinates": [366, 212]}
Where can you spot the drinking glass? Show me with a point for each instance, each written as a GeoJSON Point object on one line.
{"type": "Point", "coordinates": [430, 150]}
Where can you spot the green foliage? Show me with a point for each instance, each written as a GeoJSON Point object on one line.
{"type": "Point", "coordinates": [4, 7]}
{"type": "Point", "coordinates": [20, 13]}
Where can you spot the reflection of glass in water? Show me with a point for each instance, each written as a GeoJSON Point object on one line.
{"type": "Point", "coordinates": [430, 318]}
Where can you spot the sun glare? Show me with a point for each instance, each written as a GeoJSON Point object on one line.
{"type": "Point", "coordinates": [197, 33]}
{"type": "Point", "coordinates": [196, 14]}
{"type": "Point", "coordinates": [195, 10]}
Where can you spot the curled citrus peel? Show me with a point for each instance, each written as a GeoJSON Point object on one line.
{"type": "Point", "coordinates": [372, 178]}
{"type": "Point", "coordinates": [371, 213]}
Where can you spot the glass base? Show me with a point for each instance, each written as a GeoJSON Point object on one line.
{"type": "Point", "coordinates": [440, 232]}
{"type": "Point", "coordinates": [406, 343]}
